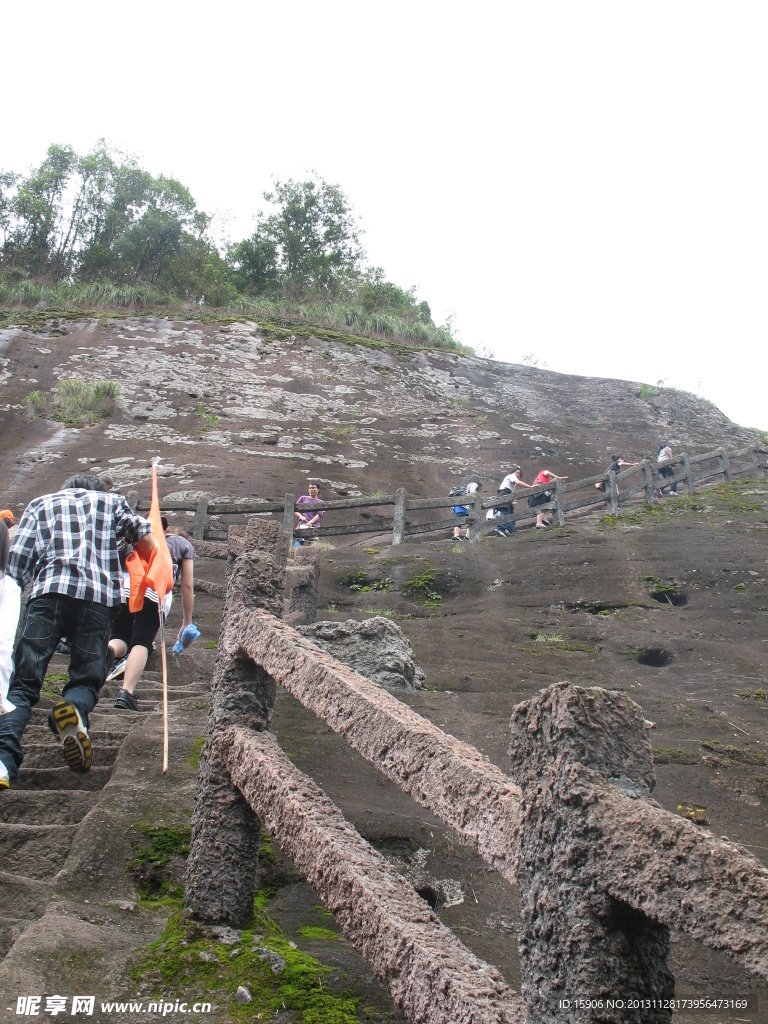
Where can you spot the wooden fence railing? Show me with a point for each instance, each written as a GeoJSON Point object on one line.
{"type": "Point", "coordinates": [642, 479]}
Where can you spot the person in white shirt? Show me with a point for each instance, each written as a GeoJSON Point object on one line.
{"type": "Point", "coordinates": [507, 486]}
{"type": "Point", "coordinates": [10, 607]}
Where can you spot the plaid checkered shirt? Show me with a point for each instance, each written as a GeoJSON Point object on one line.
{"type": "Point", "coordinates": [68, 542]}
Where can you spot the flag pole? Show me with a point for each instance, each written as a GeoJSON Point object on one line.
{"type": "Point", "coordinates": [165, 689]}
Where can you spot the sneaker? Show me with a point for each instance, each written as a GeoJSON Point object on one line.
{"type": "Point", "coordinates": [65, 721]}
{"type": "Point", "coordinates": [117, 670]}
{"type": "Point", "coordinates": [63, 647]}
{"type": "Point", "coordinates": [500, 531]}
{"type": "Point", "coordinates": [109, 661]}
{"type": "Point", "coordinates": [125, 701]}
{"type": "Point", "coordinates": [658, 493]}
{"type": "Point", "coordinates": [5, 782]}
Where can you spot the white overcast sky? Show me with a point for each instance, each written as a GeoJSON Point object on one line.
{"type": "Point", "coordinates": [587, 183]}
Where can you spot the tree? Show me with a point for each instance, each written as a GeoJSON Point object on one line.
{"type": "Point", "coordinates": [310, 246]}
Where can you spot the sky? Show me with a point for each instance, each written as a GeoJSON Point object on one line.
{"type": "Point", "coordinates": [582, 185]}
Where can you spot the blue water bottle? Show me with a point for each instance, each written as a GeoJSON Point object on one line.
{"type": "Point", "coordinates": [190, 634]}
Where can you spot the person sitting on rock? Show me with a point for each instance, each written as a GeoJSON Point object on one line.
{"type": "Point", "coordinates": [66, 545]}
{"type": "Point", "coordinates": [133, 634]}
{"type": "Point", "coordinates": [306, 520]}
{"type": "Point", "coordinates": [461, 512]}
{"type": "Point", "coordinates": [507, 486]}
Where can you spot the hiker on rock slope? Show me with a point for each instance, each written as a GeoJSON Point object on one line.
{"type": "Point", "coordinates": [133, 633]}
{"type": "Point", "coordinates": [67, 545]}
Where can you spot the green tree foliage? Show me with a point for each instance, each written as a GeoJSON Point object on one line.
{"type": "Point", "coordinates": [309, 246]}
{"type": "Point", "coordinates": [101, 224]}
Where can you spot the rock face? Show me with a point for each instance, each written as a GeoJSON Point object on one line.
{"type": "Point", "coordinates": [376, 648]}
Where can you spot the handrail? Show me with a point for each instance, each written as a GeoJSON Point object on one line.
{"type": "Point", "coordinates": [683, 465]}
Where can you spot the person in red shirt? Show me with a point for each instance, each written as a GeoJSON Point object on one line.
{"type": "Point", "coordinates": [546, 476]}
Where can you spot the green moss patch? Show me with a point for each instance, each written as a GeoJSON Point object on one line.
{"type": "Point", "coordinates": [162, 851]}
{"type": "Point", "coordinates": [672, 755]}
{"type": "Point", "coordinates": [735, 753]}
{"type": "Point", "coordinates": [187, 958]}
{"type": "Point", "coordinates": [309, 931]}
{"type": "Point", "coordinates": [195, 751]}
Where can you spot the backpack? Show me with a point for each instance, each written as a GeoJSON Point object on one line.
{"type": "Point", "coordinates": [457, 492]}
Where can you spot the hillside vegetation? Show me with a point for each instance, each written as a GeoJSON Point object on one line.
{"type": "Point", "coordinates": [99, 232]}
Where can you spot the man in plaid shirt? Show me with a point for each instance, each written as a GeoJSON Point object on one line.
{"type": "Point", "coordinates": [67, 545]}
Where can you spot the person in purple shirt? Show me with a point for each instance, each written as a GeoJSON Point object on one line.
{"type": "Point", "coordinates": [311, 517]}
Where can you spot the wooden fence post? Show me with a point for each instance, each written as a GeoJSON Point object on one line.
{"type": "Point", "coordinates": [398, 526]}
{"type": "Point", "coordinates": [612, 492]}
{"type": "Point", "coordinates": [726, 466]}
{"type": "Point", "coordinates": [290, 501]}
{"type": "Point", "coordinates": [759, 470]}
{"type": "Point", "coordinates": [559, 502]}
{"type": "Point", "coordinates": [201, 516]}
{"type": "Point", "coordinates": [688, 475]}
{"type": "Point", "coordinates": [648, 479]}
{"type": "Point", "coordinates": [475, 517]}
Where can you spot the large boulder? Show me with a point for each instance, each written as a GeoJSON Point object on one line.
{"type": "Point", "coordinates": [376, 648]}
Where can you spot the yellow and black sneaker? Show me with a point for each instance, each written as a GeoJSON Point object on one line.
{"type": "Point", "coordinates": [66, 722]}
{"type": "Point", "coordinates": [4, 780]}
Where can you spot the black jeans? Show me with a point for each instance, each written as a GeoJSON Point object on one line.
{"type": "Point", "coordinates": [48, 618]}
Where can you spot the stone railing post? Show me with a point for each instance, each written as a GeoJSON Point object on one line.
{"type": "Point", "coordinates": [398, 526]}
{"type": "Point", "coordinates": [576, 939]}
{"type": "Point", "coordinates": [612, 493]}
{"type": "Point", "coordinates": [476, 517]}
{"type": "Point", "coordinates": [201, 517]}
{"type": "Point", "coordinates": [759, 469]}
{"type": "Point", "coordinates": [650, 494]}
{"type": "Point", "coordinates": [725, 466]}
{"type": "Point", "coordinates": [288, 520]}
{"type": "Point", "coordinates": [301, 578]}
{"type": "Point", "coordinates": [688, 474]}
{"type": "Point", "coordinates": [559, 502]}
{"type": "Point", "coordinates": [220, 878]}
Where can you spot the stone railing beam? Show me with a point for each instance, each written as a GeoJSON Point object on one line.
{"type": "Point", "coordinates": [431, 975]}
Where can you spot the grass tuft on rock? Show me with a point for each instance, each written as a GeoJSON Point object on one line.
{"type": "Point", "coordinates": [76, 402]}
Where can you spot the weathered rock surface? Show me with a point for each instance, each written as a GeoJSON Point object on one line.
{"type": "Point", "coordinates": [376, 648]}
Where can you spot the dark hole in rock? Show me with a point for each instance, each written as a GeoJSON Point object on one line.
{"type": "Point", "coordinates": [428, 893]}
{"type": "Point", "coordinates": [655, 657]}
{"type": "Point", "coordinates": [672, 597]}
{"type": "Point", "coordinates": [594, 607]}
{"type": "Point", "coordinates": [633, 924]}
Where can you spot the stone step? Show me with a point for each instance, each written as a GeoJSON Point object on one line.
{"type": "Point", "coordinates": [105, 714]}
{"type": "Point", "coordinates": [38, 851]}
{"type": "Point", "coordinates": [50, 807]}
{"type": "Point", "coordinates": [61, 778]}
{"type": "Point", "coordinates": [37, 735]}
{"type": "Point", "coordinates": [21, 897]}
{"type": "Point", "coordinates": [10, 929]}
{"type": "Point", "coordinates": [153, 692]}
{"type": "Point", "coordinates": [49, 755]}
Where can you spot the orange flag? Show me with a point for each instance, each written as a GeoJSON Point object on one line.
{"type": "Point", "coordinates": [157, 573]}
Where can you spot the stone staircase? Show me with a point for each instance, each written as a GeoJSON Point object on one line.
{"type": "Point", "coordinates": [40, 814]}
